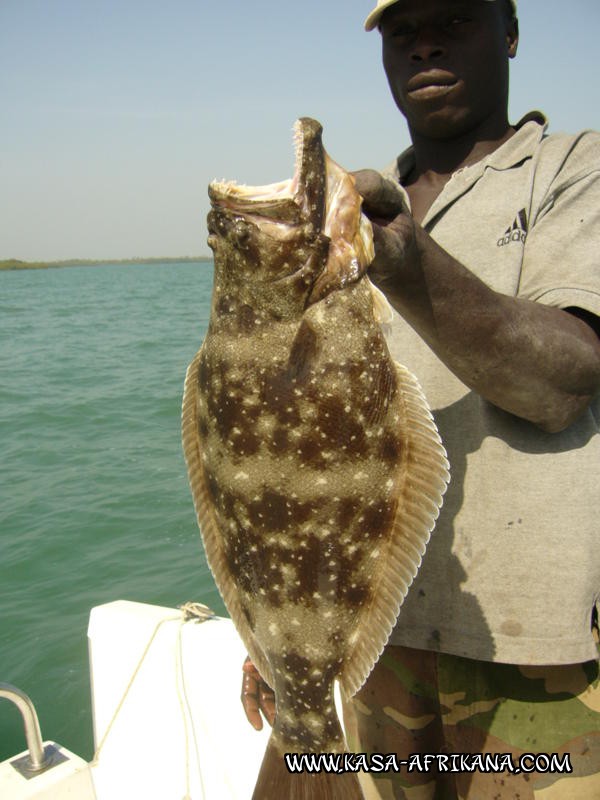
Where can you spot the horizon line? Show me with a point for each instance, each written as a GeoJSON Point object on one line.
{"type": "Point", "coordinates": [17, 263]}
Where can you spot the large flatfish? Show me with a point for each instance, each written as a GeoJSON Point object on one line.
{"type": "Point", "coordinates": [316, 469]}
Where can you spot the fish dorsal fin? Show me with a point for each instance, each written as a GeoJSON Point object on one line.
{"type": "Point", "coordinates": [421, 481]}
{"type": "Point", "coordinates": [211, 537]}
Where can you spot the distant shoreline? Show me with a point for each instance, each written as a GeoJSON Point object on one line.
{"type": "Point", "coordinates": [14, 263]}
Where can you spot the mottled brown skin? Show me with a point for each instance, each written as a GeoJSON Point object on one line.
{"type": "Point", "coordinates": [316, 470]}
{"type": "Point", "coordinates": [287, 404]}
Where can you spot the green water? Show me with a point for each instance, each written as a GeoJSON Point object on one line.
{"type": "Point", "coordinates": [94, 501]}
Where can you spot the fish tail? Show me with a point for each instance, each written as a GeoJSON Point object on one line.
{"type": "Point", "coordinates": [281, 778]}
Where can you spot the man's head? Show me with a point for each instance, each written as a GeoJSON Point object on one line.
{"type": "Point", "coordinates": [447, 62]}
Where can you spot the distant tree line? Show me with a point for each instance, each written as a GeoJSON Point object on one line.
{"type": "Point", "coordinates": [15, 263]}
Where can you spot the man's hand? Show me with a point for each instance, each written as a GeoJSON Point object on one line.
{"type": "Point", "coordinates": [382, 198]}
{"type": "Point", "coordinates": [393, 228]}
{"type": "Point", "coordinates": [256, 696]}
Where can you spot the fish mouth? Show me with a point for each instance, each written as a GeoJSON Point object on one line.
{"type": "Point", "coordinates": [319, 202]}
{"type": "Point", "coordinates": [296, 200]}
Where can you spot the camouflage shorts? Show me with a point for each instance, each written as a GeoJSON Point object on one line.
{"type": "Point", "coordinates": [421, 702]}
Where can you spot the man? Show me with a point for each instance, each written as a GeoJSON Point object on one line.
{"type": "Point", "coordinates": [487, 245]}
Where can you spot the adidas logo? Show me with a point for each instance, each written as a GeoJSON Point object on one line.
{"type": "Point", "coordinates": [517, 232]}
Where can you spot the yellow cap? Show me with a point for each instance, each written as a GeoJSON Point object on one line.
{"type": "Point", "coordinates": [373, 19]}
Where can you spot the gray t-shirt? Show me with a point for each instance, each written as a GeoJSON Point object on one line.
{"type": "Point", "coordinates": [512, 572]}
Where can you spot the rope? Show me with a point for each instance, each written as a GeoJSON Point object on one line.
{"type": "Point", "coordinates": [128, 687]}
{"type": "Point", "coordinates": [190, 612]}
{"type": "Point", "coordinates": [180, 683]}
{"type": "Point", "coordinates": [182, 693]}
{"type": "Point", "coordinates": [197, 612]}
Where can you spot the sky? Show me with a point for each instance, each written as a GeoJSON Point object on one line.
{"type": "Point", "coordinates": [116, 114]}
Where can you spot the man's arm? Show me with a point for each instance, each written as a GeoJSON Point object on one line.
{"type": "Point", "coordinates": [538, 362]}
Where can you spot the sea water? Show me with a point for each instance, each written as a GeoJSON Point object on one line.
{"type": "Point", "coordinates": [94, 499]}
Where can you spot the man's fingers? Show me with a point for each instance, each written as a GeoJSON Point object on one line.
{"type": "Point", "coordinates": [382, 197]}
{"type": "Point", "coordinates": [250, 701]}
{"type": "Point", "coordinates": [256, 696]}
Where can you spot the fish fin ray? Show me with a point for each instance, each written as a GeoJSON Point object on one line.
{"type": "Point", "coordinates": [382, 310]}
{"type": "Point", "coordinates": [275, 781]}
{"type": "Point", "coordinates": [420, 496]}
{"type": "Point", "coordinates": [211, 538]}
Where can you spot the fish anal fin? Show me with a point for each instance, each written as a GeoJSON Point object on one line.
{"type": "Point", "coordinates": [419, 487]}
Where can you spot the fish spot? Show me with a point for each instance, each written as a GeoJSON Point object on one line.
{"type": "Point", "coordinates": [348, 510]}
{"type": "Point", "coordinates": [310, 451]}
{"type": "Point", "coordinates": [336, 637]}
{"type": "Point", "coordinates": [390, 448]}
{"type": "Point", "coordinates": [279, 441]}
{"type": "Point", "coordinates": [356, 595]}
{"type": "Point", "coordinates": [202, 427]}
{"type": "Point", "coordinates": [338, 425]}
{"type": "Point", "coordinates": [378, 518]}
{"type": "Point", "coordinates": [212, 485]}
{"type": "Point", "coordinates": [223, 305]}
{"type": "Point", "coordinates": [246, 319]}
{"type": "Point", "coordinates": [276, 396]}
{"type": "Point", "coordinates": [225, 406]}
{"type": "Point", "coordinates": [270, 511]}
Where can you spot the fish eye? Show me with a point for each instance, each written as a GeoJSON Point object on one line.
{"type": "Point", "coordinates": [241, 232]}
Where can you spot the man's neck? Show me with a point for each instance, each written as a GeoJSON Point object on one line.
{"type": "Point", "coordinates": [437, 159]}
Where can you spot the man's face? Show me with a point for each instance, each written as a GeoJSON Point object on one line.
{"type": "Point", "coordinates": [447, 62]}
